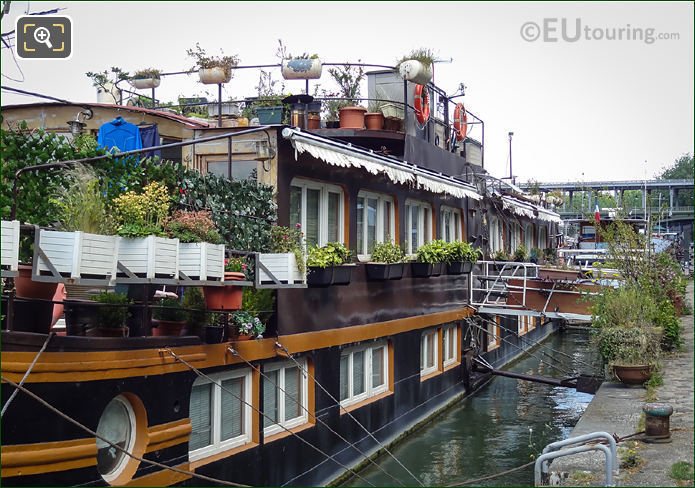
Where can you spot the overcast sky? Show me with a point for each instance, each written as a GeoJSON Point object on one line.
{"type": "Point", "coordinates": [584, 108]}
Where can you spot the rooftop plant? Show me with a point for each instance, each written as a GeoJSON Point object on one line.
{"type": "Point", "coordinates": [282, 53]}
{"type": "Point", "coordinates": [147, 73]}
{"type": "Point", "coordinates": [142, 214]}
{"type": "Point", "coordinates": [424, 55]}
{"type": "Point", "coordinates": [101, 78]}
{"type": "Point", "coordinates": [289, 239]}
{"type": "Point", "coordinates": [192, 226]}
{"type": "Point", "coordinates": [205, 61]}
{"type": "Point", "coordinates": [348, 77]}
{"type": "Point", "coordinates": [387, 252]}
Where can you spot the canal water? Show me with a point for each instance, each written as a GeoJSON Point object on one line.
{"type": "Point", "coordinates": [503, 425]}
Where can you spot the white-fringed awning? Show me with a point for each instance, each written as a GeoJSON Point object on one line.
{"type": "Point", "coordinates": [346, 156]}
{"type": "Point", "coordinates": [524, 209]}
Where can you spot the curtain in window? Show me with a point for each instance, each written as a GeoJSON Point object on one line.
{"type": "Point", "coordinates": [387, 222]}
{"type": "Point", "coordinates": [377, 367]}
{"type": "Point", "coordinates": [293, 392]}
{"type": "Point", "coordinates": [232, 408]}
{"type": "Point", "coordinates": [414, 226]}
{"type": "Point", "coordinates": [333, 216]}
{"type": "Point", "coordinates": [360, 225]}
{"type": "Point", "coordinates": [199, 412]}
{"type": "Point", "coordinates": [270, 399]}
{"type": "Point", "coordinates": [344, 377]}
{"type": "Point", "coordinates": [358, 385]}
{"type": "Point", "coordinates": [295, 205]}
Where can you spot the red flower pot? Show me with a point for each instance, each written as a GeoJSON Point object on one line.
{"type": "Point", "coordinates": [226, 297]}
{"type": "Point", "coordinates": [352, 117]}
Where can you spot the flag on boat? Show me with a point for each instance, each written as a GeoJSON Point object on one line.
{"type": "Point", "coordinates": [597, 212]}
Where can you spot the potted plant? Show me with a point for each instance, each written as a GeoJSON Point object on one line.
{"type": "Point", "coordinates": [212, 69]}
{"type": "Point", "coordinates": [430, 259]}
{"type": "Point", "coordinates": [632, 352]}
{"type": "Point", "coordinates": [146, 78]}
{"type": "Point", "coordinates": [111, 315]}
{"type": "Point", "coordinates": [105, 82]}
{"type": "Point", "coordinates": [228, 297]}
{"type": "Point", "coordinates": [520, 255]}
{"type": "Point", "coordinates": [81, 246]}
{"type": "Point", "coordinates": [196, 317]}
{"type": "Point", "coordinates": [328, 265]}
{"type": "Point", "coordinates": [416, 66]}
{"type": "Point", "coordinates": [214, 330]}
{"type": "Point", "coordinates": [348, 78]}
{"type": "Point", "coordinates": [201, 257]}
{"type": "Point", "coordinates": [144, 248]}
{"type": "Point", "coordinates": [302, 67]}
{"type": "Point", "coordinates": [168, 318]}
{"type": "Point", "coordinates": [386, 263]}
{"type": "Point", "coordinates": [460, 257]}
{"type": "Point", "coordinates": [268, 106]}
{"type": "Point", "coordinates": [247, 326]}
{"type": "Point", "coordinates": [287, 262]}
{"type": "Point", "coordinates": [374, 119]}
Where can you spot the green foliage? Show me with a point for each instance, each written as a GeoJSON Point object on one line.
{"type": "Point", "coordinates": [435, 251]}
{"type": "Point", "coordinates": [82, 205]}
{"type": "Point", "coordinates": [147, 73]}
{"type": "Point", "coordinates": [142, 214]}
{"type": "Point", "coordinates": [665, 317]}
{"type": "Point", "coordinates": [237, 264]}
{"type": "Point", "coordinates": [682, 470]}
{"type": "Point", "coordinates": [247, 323]}
{"type": "Point", "coordinates": [500, 255]}
{"type": "Point", "coordinates": [424, 55]}
{"type": "Point", "coordinates": [101, 78]}
{"type": "Point", "coordinates": [260, 301]}
{"type": "Point", "coordinates": [348, 78]}
{"type": "Point", "coordinates": [332, 254]}
{"type": "Point", "coordinates": [656, 380]}
{"type": "Point", "coordinates": [387, 252]}
{"type": "Point", "coordinates": [626, 307]}
{"type": "Point", "coordinates": [114, 313]}
{"type": "Point", "coordinates": [458, 251]}
{"type": "Point", "coordinates": [629, 457]}
{"type": "Point", "coordinates": [194, 301]}
{"type": "Point", "coordinates": [520, 255]}
{"type": "Point", "coordinates": [169, 309]}
{"type": "Point", "coordinates": [535, 254]}
{"type": "Point", "coordinates": [626, 347]}
{"type": "Point", "coordinates": [287, 239]}
{"type": "Point", "coordinates": [204, 61]}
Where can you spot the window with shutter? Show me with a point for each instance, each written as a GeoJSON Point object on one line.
{"type": "Point", "coordinates": [363, 372]}
{"type": "Point", "coordinates": [285, 399]}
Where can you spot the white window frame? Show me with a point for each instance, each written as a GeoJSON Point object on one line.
{"type": "Point", "coordinates": [325, 189]}
{"type": "Point", "coordinates": [296, 421]}
{"type": "Point", "coordinates": [528, 237]}
{"type": "Point", "coordinates": [424, 234]}
{"type": "Point", "coordinates": [455, 223]}
{"type": "Point", "coordinates": [218, 445]}
{"type": "Point", "coordinates": [542, 236]}
{"type": "Point", "coordinates": [450, 334]}
{"type": "Point", "coordinates": [426, 336]}
{"type": "Point", "coordinates": [496, 240]}
{"type": "Point", "coordinates": [514, 237]}
{"type": "Point", "coordinates": [493, 333]}
{"type": "Point", "coordinates": [369, 390]}
{"type": "Point", "coordinates": [380, 212]}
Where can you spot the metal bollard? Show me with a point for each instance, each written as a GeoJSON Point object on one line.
{"type": "Point", "coordinates": [656, 423]}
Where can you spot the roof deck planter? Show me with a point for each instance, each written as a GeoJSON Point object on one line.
{"type": "Point", "coordinates": [149, 257]}
{"type": "Point", "coordinates": [416, 66]}
{"type": "Point", "coordinates": [214, 76]}
{"type": "Point", "coordinates": [352, 117]}
{"type": "Point", "coordinates": [460, 267]}
{"type": "Point", "coordinates": [329, 265]}
{"type": "Point", "coordinates": [10, 247]}
{"type": "Point", "coordinates": [318, 277]}
{"type": "Point", "coordinates": [384, 271]}
{"type": "Point", "coordinates": [146, 78]}
{"type": "Point", "coordinates": [75, 255]}
{"type": "Point", "coordinates": [201, 261]}
{"type": "Point", "coordinates": [212, 69]}
{"type": "Point", "coordinates": [282, 266]}
{"type": "Point", "coordinates": [302, 68]}
{"type": "Point", "coordinates": [270, 115]}
{"type": "Point", "coordinates": [342, 275]}
{"type": "Point", "coordinates": [460, 257]}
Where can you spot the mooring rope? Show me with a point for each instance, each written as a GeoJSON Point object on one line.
{"type": "Point", "coordinates": [21, 383]}
{"type": "Point", "coordinates": [124, 451]}
{"type": "Point", "coordinates": [296, 399]}
{"type": "Point", "coordinates": [347, 412]}
{"type": "Point", "coordinates": [203, 375]}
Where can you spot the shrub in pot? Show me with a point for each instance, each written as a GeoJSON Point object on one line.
{"type": "Point", "coordinates": [329, 265]}
{"type": "Point", "coordinates": [111, 316]}
{"type": "Point", "coordinates": [247, 325]}
{"type": "Point", "coordinates": [197, 318]}
{"type": "Point", "coordinates": [460, 257]}
{"type": "Point", "coordinates": [632, 352]}
{"type": "Point", "coordinates": [212, 69]}
{"type": "Point", "coordinates": [287, 261]}
{"type": "Point", "coordinates": [387, 261]}
{"type": "Point", "coordinates": [430, 258]}
{"type": "Point", "coordinates": [521, 254]}
{"type": "Point", "coordinates": [168, 318]}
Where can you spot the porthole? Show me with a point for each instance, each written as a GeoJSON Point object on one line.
{"type": "Point", "coordinates": [118, 425]}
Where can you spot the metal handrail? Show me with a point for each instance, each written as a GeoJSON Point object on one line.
{"type": "Point", "coordinates": [541, 462]}
{"type": "Point", "coordinates": [500, 280]}
{"type": "Point", "coordinates": [554, 446]}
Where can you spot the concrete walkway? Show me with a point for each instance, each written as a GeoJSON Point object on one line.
{"type": "Point", "coordinates": [618, 409]}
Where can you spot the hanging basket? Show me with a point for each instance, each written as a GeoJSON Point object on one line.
{"type": "Point", "coordinates": [213, 76]}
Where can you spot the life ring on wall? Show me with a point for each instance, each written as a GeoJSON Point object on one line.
{"type": "Point", "coordinates": [460, 122]}
{"type": "Point", "coordinates": [422, 103]}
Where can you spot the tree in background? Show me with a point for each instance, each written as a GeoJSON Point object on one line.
{"type": "Point", "coordinates": [682, 169]}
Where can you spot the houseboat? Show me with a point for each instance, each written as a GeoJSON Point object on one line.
{"type": "Point", "coordinates": [342, 370]}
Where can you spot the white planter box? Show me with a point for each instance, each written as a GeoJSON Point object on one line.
{"type": "Point", "coordinates": [10, 245]}
{"type": "Point", "coordinates": [301, 69]}
{"type": "Point", "coordinates": [283, 266]}
{"type": "Point", "coordinates": [202, 260]}
{"type": "Point", "coordinates": [149, 257]}
{"type": "Point", "coordinates": [76, 254]}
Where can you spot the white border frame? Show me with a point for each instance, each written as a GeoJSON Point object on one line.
{"type": "Point", "coordinates": [325, 189]}
{"type": "Point", "coordinates": [369, 390]}
{"type": "Point", "coordinates": [424, 371]}
{"type": "Point", "coordinates": [453, 336]}
{"type": "Point", "coordinates": [296, 421]}
{"type": "Point", "coordinates": [123, 462]}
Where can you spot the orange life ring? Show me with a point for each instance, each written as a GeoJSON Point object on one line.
{"type": "Point", "coordinates": [460, 122]}
{"type": "Point", "coordinates": [422, 103]}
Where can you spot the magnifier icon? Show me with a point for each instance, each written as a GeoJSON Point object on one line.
{"type": "Point", "coordinates": [43, 36]}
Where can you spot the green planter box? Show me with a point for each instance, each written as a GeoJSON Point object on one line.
{"type": "Point", "coordinates": [269, 115]}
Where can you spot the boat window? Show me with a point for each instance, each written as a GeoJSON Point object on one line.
{"type": "Point", "coordinates": [451, 224]}
{"type": "Point", "coordinates": [117, 425]}
{"type": "Point", "coordinates": [318, 208]}
{"type": "Point", "coordinates": [363, 372]}
{"type": "Point", "coordinates": [450, 344]}
{"type": "Point", "coordinates": [543, 237]}
{"type": "Point", "coordinates": [514, 236]}
{"type": "Point", "coordinates": [418, 224]}
{"type": "Point", "coordinates": [375, 221]}
{"type": "Point", "coordinates": [428, 353]}
{"type": "Point", "coordinates": [219, 412]}
{"type": "Point", "coordinates": [284, 397]}
{"type": "Point", "coordinates": [528, 237]}
{"type": "Point", "coordinates": [493, 334]}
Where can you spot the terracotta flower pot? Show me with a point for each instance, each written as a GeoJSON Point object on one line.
{"type": "Point", "coordinates": [352, 117]}
{"type": "Point", "coordinates": [33, 316]}
{"type": "Point", "coordinates": [313, 122]}
{"type": "Point", "coordinates": [27, 288]}
{"type": "Point", "coordinates": [634, 375]}
{"type": "Point", "coordinates": [374, 120]}
{"type": "Point", "coordinates": [167, 327]}
{"type": "Point", "coordinates": [226, 297]}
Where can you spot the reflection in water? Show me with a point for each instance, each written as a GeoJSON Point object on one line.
{"type": "Point", "coordinates": [501, 426]}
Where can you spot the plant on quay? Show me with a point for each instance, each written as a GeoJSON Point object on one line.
{"type": "Point", "coordinates": [332, 254]}
{"type": "Point", "coordinates": [387, 252]}
{"type": "Point", "coordinates": [142, 214]}
{"type": "Point", "coordinates": [192, 226]}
